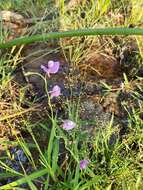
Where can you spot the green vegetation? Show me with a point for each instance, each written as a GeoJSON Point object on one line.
{"type": "Point", "coordinates": [84, 32]}
{"type": "Point", "coordinates": [45, 138]}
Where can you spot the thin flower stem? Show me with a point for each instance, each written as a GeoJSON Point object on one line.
{"type": "Point", "coordinates": [72, 33]}
{"type": "Point", "coordinates": [46, 89]}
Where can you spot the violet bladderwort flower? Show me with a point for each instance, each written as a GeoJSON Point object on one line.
{"type": "Point", "coordinates": [68, 125]}
{"type": "Point", "coordinates": [83, 164]}
{"type": "Point", "coordinates": [52, 68]}
{"type": "Point", "coordinates": [55, 92]}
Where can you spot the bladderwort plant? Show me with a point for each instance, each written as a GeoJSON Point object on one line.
{"type": "Point", "coordinates": [50, 158]}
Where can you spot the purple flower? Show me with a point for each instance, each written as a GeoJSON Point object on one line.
{"type": "Point", "coordinates": [56, 91]}
{"type": "Point", "coordinates": [52, 68]}
{"type": "Point", "coordinates": [68, 125]}
{"type": "Point", "coordinates": [83, 164]}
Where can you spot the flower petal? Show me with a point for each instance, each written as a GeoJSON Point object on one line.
{"type": "Point", "coordinates": [50, 64]}
{"type": "Point", "coordinates": [83, 164]}
{"type": "Point", "coordinates": [45, 69]}
{"type": "Point", "coordinates": [56, 91]}
{"type": "Point", "coordinates": [53, 66]}
{"type": "Point", "coordinates": [68, 125]}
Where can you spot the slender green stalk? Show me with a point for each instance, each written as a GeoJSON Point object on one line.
{"type": "Point", "coordinates": [25, 179]}
{"type": "Point", "coordinates": [72, 33]}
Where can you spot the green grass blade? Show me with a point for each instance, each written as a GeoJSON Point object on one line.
{"type": "Point", "coordinates": [72, 33]}
{"type": "Point", "coordinates": [55, 155]}
{"type": "Point", "coordinates": [25, 179]}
